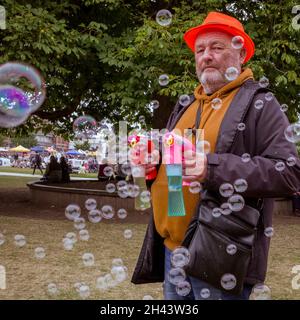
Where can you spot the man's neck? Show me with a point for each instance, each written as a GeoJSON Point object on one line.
{"type": "Point", "coordinates": [212, 88]}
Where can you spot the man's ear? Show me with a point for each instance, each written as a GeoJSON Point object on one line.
{"type": "Point", "coordinates": [243, 55]}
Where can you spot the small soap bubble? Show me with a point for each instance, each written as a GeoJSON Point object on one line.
{"type": "Point", "coordinates": [84, 235]}
{"type": "Point", "coordinates": [263, 82]}
{"type": "Point", "coordinates": [184, 100]}
{"type": "Point", "coordinates": [52, 289]}
{"type": "Point", "coordinates": [228, 281]}
{"type": "Point", "coordinates": [205, 293]}
{"type": "Point", "coordinates": [258, 104]}
{"type": "Point", "coordinates": [90, 204]}
{"type": "Point", "coordinates": [108, 171]}
{"type": "Point", "coordinates": [147, 297]}
{"type": "Point", "coordinates": [110, 187]}
{"type": "Point", "coordinates": [154, 104]}
{"type": "Point", "coordinates": [183, 288]}
{"type": "Point", "coordinates": [20, 240]}
{"type": "Point", "coordinates": [280, 166]}
{"type": "Point", "coordinates": [240, 185]}
{"type": "Point", "coordinates": [231, 249]}
{"type": "Point", "coordinates": [164, 17]}
{"type": "Point", "coordinates": [236, 203]}
{"type": "Point", "coordinates": [231, 73]}
{"type": "Point", "coordinates": [291, 161]}
{"type": "Point", "coordinates": [85, 127]}
{"type": "Point", "coordinates": [226, 208]}
{"type": "Point", "coordinates": [163, 80]}
{"type": "Point", "coordinates": [180, 257]}
{"type": "Point", "coordinates": [127, 234]}
{"type": "Point", "coordinates": [237, 42]}
{"type": "Point", "coordinates": [72, 211]}
{"type": "Point", "coordinates": [284, 107]}
{"type": "Point", "coordinates": [269, 232]}
{"type": "Point", "coordinates": [145, 196]}
{"type": "Point", "coordinates": [260, 292]}
{"type": "Point", "coordinates": [39, 252]}
{"type": "Point", "coordinates": [122, 213]}
{"type": "Point", "coordinates": [176, 275]}
{"type": "Point", "coordinates": [216, 212]}
{"type": "Point", "coordinates": [246, 157]}
{"type": "Point", "coordinates": [195, 187]}
{"type": "Point", "coordinates": [216, 103]}
{"type": "Point", "coordinates": [84, 291]}
{"type": "Point", "coordinates": [79, 223]}
{"type": "Point", "coordinates": [292, 133]}
{"type": "Point", "coordinates": [226, 190]}
{"type": "Point", "coordinates": [269, 96]}
{"type": "Point", "coordinates": [107, 212]}
{"type": "Point", "coordinates": [95, 216]}
{"type": "Point", "coordinates": [241, 126]}
{"type": "Point", "coordinates": [88, 259]}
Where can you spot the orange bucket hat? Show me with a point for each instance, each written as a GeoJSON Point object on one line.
{"type": "Point", "coordinates": [220, 22]}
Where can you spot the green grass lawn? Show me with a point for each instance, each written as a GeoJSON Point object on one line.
{"type": "Point", "coordinates": [29, 171]}
{"type": "Point", "coordinates": [28, 277]}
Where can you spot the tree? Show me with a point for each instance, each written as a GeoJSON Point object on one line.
{"type": "Point", "coordinates": [25, 141]}
{"type": "Point", "coordinates": [103, 57]}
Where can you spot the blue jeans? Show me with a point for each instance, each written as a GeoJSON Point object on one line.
{"type": "Point", "coordinates": [196, 287]}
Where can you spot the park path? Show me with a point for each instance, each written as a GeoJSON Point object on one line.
{"type": "Point", "coordinates": [12, 174]}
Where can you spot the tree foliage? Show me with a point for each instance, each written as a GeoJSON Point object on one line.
{"type": "Point", "coordinates": [103, 57]}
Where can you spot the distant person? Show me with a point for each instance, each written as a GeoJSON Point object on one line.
{"type": "Point", "coordinates": [65, 170]}
{"type": "Point", "coordinates": [53, 171]}
{"type": "Point", "coordinates": [37, 162]}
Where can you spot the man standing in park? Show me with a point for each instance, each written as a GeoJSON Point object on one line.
{"type": "Point", "coordinates": [245, 127]}
{"type": "Point", "coordinates": [37, 162]}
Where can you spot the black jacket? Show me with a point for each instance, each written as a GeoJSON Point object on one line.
{"type": "Point", "coordinates": [265, 141]}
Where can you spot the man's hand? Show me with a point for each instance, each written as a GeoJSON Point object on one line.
{"type": "Point", "coordinates": [194, 166]}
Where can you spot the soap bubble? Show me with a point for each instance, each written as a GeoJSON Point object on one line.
{"type": "Point", "coordinates": [119, 273]}
{"type": "Point", "coordinates": [79, 223]}
{"type": "Point", "coordinates": [126, 169]}
{"type": "Point", "coordinates": [101, 283]}
{"type": "Point", "coordinates": [127, 234]}
{"type": "Point", "coordinates": [240, 185]}
{"type": "Point", "coordinates": [163, 80]}
{"type": "Point", "coordinates": [95, 216]}
{"type": "Point", "coordinates": [280, 166]}
{"type": "Point", "coordinates": [133, 190]}
{"type": "Point", "coordinates": [231, 73]}
{"type": "Point", "coordinates": [216, 212]}
{"type": "Point", "coordinates": [85, 127]}
{"type": "Point", "coordinates": [236, 203]}
{"type": "Point", "coordinates": [108, 171]}
{"type": "Point", "coordinates": [107, 212]}
{"type": "Point", "coordinates": [246, 157]}
{"type": "Point", "coordinates": [183, 288]}
{"type": "Point", "coordinates": [291, 161]}
{"type": "Point", "coordinates": [164, 17]}
{"type": "Point", "coordinates": [205, 293]}
{"type": "Point", "coordinates": [180, 257]}
{"type": "Point", "coordinates": [117, 262]}
{"type": "Point", "coordinates": [13, 72]}
{"type": "Point", "coordinates": [184, 100]}
{"type": "Point", "coordinates": [84, 235]}
{"type": "Point", "coordinates": [72, 211]}
{"type": "Point", "coordinates": [284, 107]}
{"type": "Point", "coordinates": [141, 118]}
{"type": "Point", "coordinates": [258, 104]}
{"type": "Point", "coordinates": [147, 297]}
{"type": "Point", "coordinates": [154, 104]}
{"type": "Point", "coordinates": [88, 259]}
{"type": "Point", "coordinates": [145, 196]}
{"type": "Point", "coordinates": [195, 187]}
{"type": "Point", "coordinates": [269, 96]}
{"type": "Point", "coordinates": [84, 291]}
{"type": "Point", "coordinates": [110, 188]}
{"type": "Point", "coordinates": [122, 213]}
{"type": "Point", "coordinates": [52, 289]}
{"type": "Point", "coordinates": [90, 204]}
{"type": "Point", "coordinates": [176, 275]}
{"type": "Point", "coordinates": [263, 82]}
{"type": "Point", "coordinates": [260, 292]}
{"type": "Point", "coordinates": [241, 126]}
{"type": "Point", "coordinates": [216, 103]}
{"type": "Point", "coordinates": [226, 190]}
{"type": "Point", "coordinates": [2, 238]}
{"type": "Point", "coordinates": [237, 42]}
{"type": "Point", "coordinates": [269, 232]}
{"type": "Point", "coordinates": [226, 208]}
{"type": "Point", "coordinates": [228, 281]}
{"type": "Point", "coordinates": [231, 249]}
{"type": "Point", "coordinates": [39, 253]}
{"type": "Point", "coordinates": [14, 107]}
{"type": "Point", "coordinates": [68, 244]}
{"type": "Point", "coordinates": [20, 240]}
{"type": "Point", "coordinates": [292, 133]}
{"type": "Point", "coordinates": [71, 236]}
